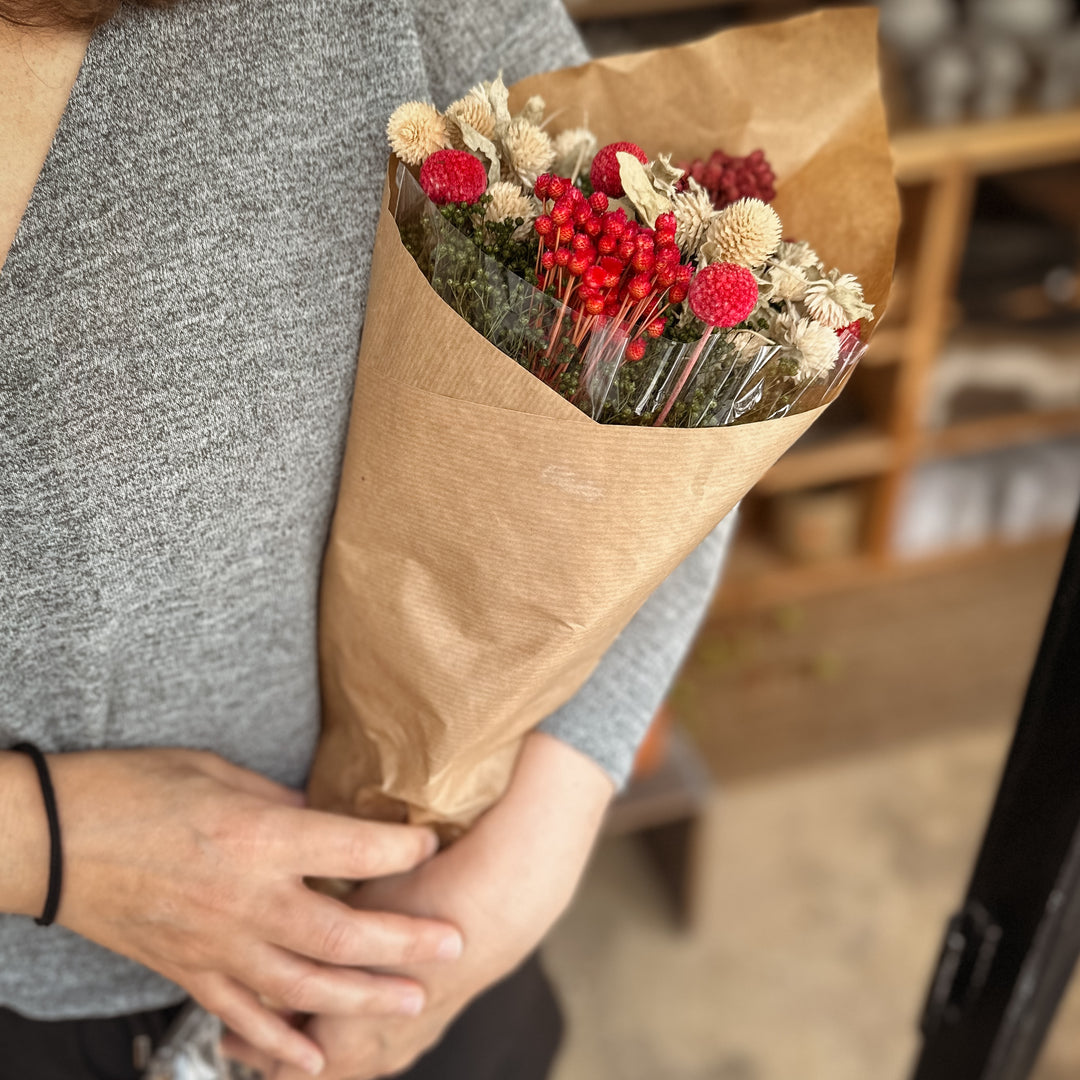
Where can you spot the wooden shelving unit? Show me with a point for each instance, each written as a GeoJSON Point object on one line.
{"type": "Point", "coordinates": [937, 170]}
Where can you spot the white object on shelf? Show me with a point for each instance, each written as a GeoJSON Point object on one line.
{"type": "Point", "coordinates": [1012, 495]}
{"type": "Point", "coordinates": [1041, 379]}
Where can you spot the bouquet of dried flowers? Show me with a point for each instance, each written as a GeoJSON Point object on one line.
{"type": "Point", "coordinates": [578, 356]}
{"type": "Point", "coordinates": [643, 292]}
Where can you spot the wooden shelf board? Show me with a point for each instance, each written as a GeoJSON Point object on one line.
{"type": "Point", "coordinates": [992, 432]}
{"type": "Point", "coordinates": [758, 577]}
{"type": "Point", "coordinates": [844, 457]}
{"type": "Point", "coordinates": [1015, 142]}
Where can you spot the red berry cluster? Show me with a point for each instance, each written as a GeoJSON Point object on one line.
{"type": "Point", "coordinates": [601, 264]}
{"type": "Point", "coordinates": [453, 176]}
{"type": "Point", "coordinates": [727, 178]}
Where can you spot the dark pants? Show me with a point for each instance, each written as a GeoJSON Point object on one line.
{"type": "Point", "coordinates": [510, 1033]}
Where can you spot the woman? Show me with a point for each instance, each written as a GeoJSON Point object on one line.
{"type": "Point", "coordinates": [187, 210]}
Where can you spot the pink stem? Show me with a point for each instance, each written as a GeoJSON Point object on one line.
{"type": "Point", "coordinates": [683, 376]}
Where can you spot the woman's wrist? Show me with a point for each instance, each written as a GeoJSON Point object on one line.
{"type": "Point", "coordinates": [24, 837]}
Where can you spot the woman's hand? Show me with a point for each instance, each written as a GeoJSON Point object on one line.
{"type": "Point", "coordinates": [195, 867]}
{"type": "Point", "coordinates": [504, 884]}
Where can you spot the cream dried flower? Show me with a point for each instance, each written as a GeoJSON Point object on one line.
{"type": "Point", "coordinates": [473, 109]}
{"type": "Point", "coordinates": [694, 212]}
{"type": "Point", "coordinates": [797, 253]}
{"type": "Point", "coordinates": [533, 110]}
{"type": "Point", "coordinates": [416, 130]}
{"type": "Point", "coordinates": [817, 346]}
{"type": "Point", "coordinates": [837, 299]}
{"type": "Point", "coordinates": [574, 150]}
{"type": "Point", "coordinates": [785, 281]}
{"type": "Point", "coordinates": [509, 202]}
{"type": "Point", "coordinates": [747, 232]}
{"type": "Point", "coordinates": [528, 150]}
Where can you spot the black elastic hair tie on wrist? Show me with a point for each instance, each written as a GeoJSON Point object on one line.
{"type": "Point", "coordinates": [56, 855]}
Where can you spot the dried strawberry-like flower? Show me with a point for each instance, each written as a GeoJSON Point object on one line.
{"type": "Point", "coordinates": [473, 109]}
{"type": "Point", "coordinates": [693, 210]}
{"type": "Point", "coordinates": [747, 232]}
{"type": "Point", "coordinates": [453, 176]}
{"type": "Point", "coordinates": [604, 173]}
{"type": "Point", "coordinates": [416, 130]}
{"type": "Point", "coordinates": [528, 150]}
{"type": "Point", "coordinates": [837, 299]}
{"type": "Point", "coordinates": [817, 346]}
{"type": "Point", "coordinates": [723, 294]}
{"type": "Point", "coordinates": [509, 202]}
{"type": "Point", "coordinates": [574, 151]}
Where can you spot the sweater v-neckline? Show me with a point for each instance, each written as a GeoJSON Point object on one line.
{"type": "Point", "coordinates": [75, 95]}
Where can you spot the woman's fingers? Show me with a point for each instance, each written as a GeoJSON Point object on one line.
{"type": "Point", "coordinates": [317, 844]}
{"type": "Point", "coordinates": [235, 1048]}
{"type": "Point", "coordinates": [259, 1026]}
{"type": "Point", "coordinates": [327, 930]}
{"type": "Point", "coordinates": [253, 783]}
{"type": "Point", "coordinates": [298, 986]}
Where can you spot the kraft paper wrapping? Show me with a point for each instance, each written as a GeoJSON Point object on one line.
{"type": "Point", "coordinates": [490, 541]}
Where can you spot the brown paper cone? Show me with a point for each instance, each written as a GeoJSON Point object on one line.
{"type": "Point", "coordinates": [490, 541]}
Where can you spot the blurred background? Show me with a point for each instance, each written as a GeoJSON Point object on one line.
{"type": "Point", "coordinates": [770, 899]}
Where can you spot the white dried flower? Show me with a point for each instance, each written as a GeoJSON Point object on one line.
{"type": "Point", "coordinates": [797, 253]}
{"type": "Point", "coordinates": [533, 111]}
{"type": "Point", "coordinates": [528, 151]}
{"type": "Point", "coordinates": [785, 281]}
{"type": "Point", "coordinates": [816, 345]}
{"type": "Point", "coordinates": [574, 150]}
{"type": "Point", "coordinates": [747, 232]}
{"type": "Point", "coordinates": [473, 109]}
{"type": "Point", "coordinates": [694, 212]}
{"type": "Point", "coordinates": [416, 130]}
{"type": "Point", "coordinates": [509, 202]}
{"type": "Point", "coordinates": [837, 299]}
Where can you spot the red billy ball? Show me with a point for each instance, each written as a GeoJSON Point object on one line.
{"type": "Point", "coordinates": [453, 176]}
{"type": "Point", "coordinates": [723, 294]}
{"type": "Point", "coordinates": [604, 173]}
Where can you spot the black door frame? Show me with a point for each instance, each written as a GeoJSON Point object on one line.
{"type": "Point", "coordinates": [1008, 954]}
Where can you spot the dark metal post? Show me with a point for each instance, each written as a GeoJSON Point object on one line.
{"type": "Point", "coordinates": [1009, 953]}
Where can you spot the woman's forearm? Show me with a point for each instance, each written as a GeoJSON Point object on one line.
{"type": "Point", "coordinates": [24, 838]}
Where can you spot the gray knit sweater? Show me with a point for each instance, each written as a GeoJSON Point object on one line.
{"type": "Point", "coordinates": [179, 321]}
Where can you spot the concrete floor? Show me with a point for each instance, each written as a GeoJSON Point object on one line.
{"type": "Point", "coordinates": [827, 891]}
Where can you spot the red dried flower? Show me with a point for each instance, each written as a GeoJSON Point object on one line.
{"type": "Point", "coordinates": [543, 225]}
{"type": "Point", "coordinates": [604, 173]}
{"type": "Point", "coordinates": [598, 201]}
{"type": "Point", "coordinates": [558, 187]}
{"type": "Point", "coordinates": [625, 250]}
{"type": "Point", "coordinates": [683, 274]}
{"type": "Point", "coordinates": [666, 224]}
{"type": "Point", "coordinates": [592, 226]}
{"type": "Point", "coordinates": [579, 263]}
{"type": "Point", "coordinates": [723, 294]}
{"type": "Point", "coordinates": [639, 286]}
{"type": "Point", "coordinates": [606, 244]}
{"type": "Point", "coordinates": [595, 277]}
{"type": "Point", "coordinates": [450, 176]}
{"type": "Point", "coordinates": [643, 261]}
{"type": "Point", "coordinates": [547, 260]}
{"type": "Point", "coordinates": [563, 211]}
{"type": "Point", "coordinates": [677, 293]}
{"type": "Point", "coordinates": [566, 232]}
{"type": "Point", "coordinates": [562, 256]}
{"type": "Point", "coordinates": [542, 186]}
{"type": "Point", "coordinates": [665, 276]}
{"type": "Point", "coordinates": [636, 349]}
{"type": "Point", "coordinates": [854, 328]}
{"type": "Point", "coordinates": [595, 304]}
{"type": "Point", "coordinates": [656, 327]}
